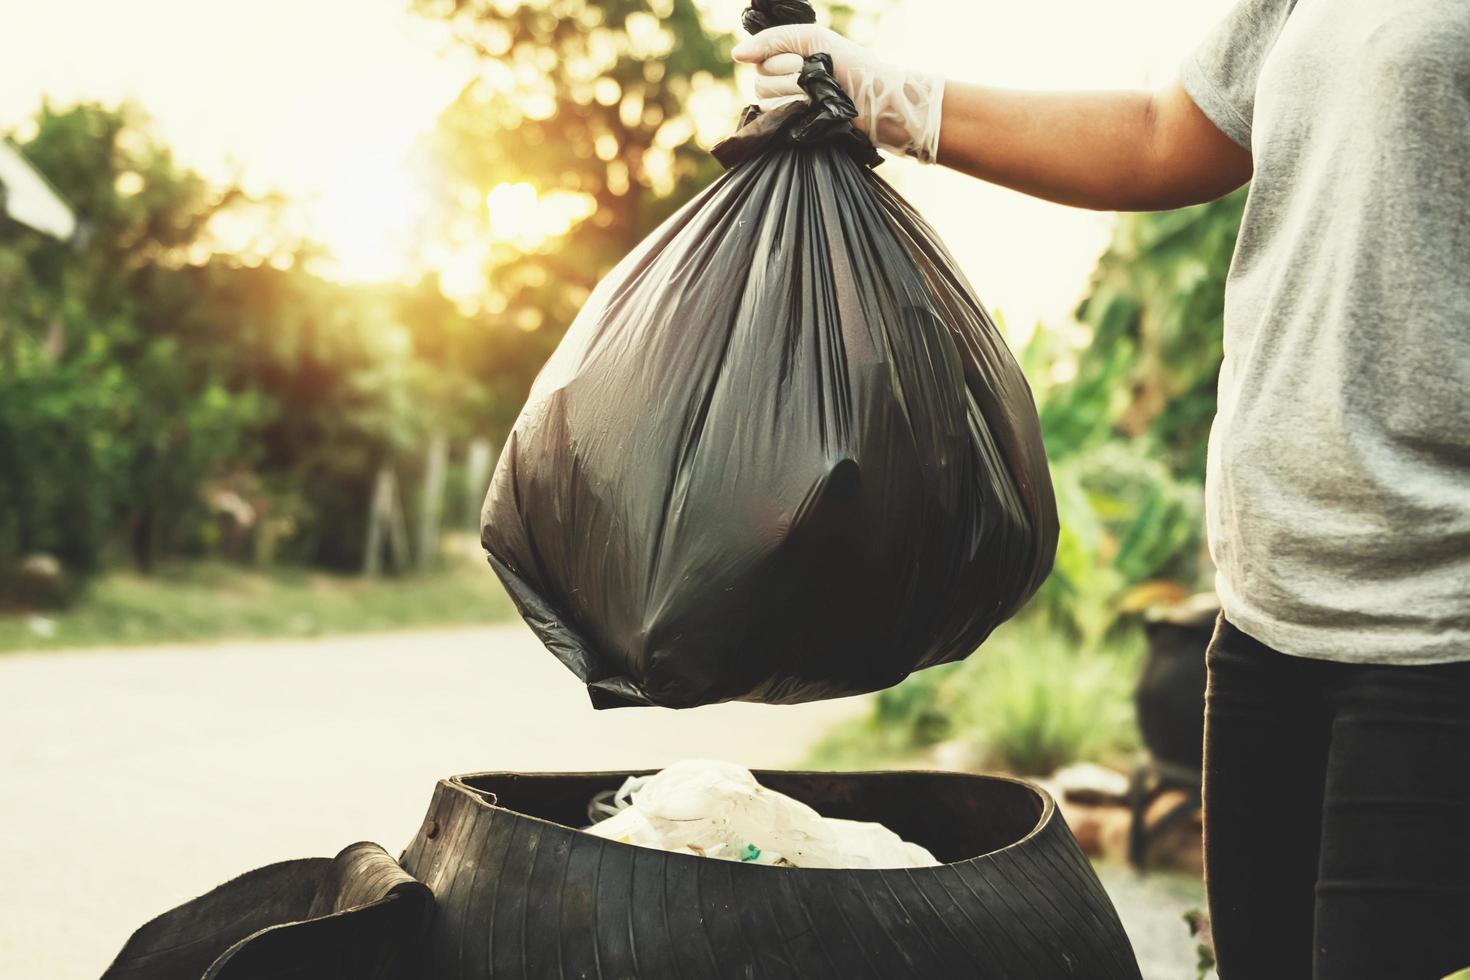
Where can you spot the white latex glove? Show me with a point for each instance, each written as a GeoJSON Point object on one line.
{"type": "Point", "coordinates": [898, 108]}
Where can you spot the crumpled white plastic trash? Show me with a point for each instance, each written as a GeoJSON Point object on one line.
{"type": "Point", "coordinates": [718, 810]}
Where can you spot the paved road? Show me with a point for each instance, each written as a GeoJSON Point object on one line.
{"type": "Point", "coordinates": [1152, 908]}
{"type": "Point", "coordinates": [134, 779]}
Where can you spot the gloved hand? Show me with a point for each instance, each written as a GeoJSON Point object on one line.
{"type": "Point", "coordinates": [898, 108]}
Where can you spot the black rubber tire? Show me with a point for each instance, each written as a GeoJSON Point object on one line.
{"type": "Point", "coordinates": [519, 893]}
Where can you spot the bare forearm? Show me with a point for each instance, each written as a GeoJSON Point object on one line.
{"type": "Point", "coordinates": [1115, 151]}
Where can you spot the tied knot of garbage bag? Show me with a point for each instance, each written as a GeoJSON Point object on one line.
{"type": "Point", "coordinates": [830, 115]}
{"type": "Point", "coordinates": [762, 14]}
{"type": "Point", "coordinates": [825, 120]}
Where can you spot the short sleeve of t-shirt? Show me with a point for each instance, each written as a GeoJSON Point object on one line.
{"type": "Point", "coordinates": [1221, 74]}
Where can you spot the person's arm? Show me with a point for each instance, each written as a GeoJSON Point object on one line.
{"type": "Point", "coordinates": [1112, 151]}
{"type": "Point", "coordinates": [1117, 151]}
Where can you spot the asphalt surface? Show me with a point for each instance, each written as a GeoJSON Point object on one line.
{"type": "Point", "coordinates": [134, 779]}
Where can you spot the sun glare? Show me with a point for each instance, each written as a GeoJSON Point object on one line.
{"type": "Point", "coordinates": [375, 225]}
{"type": "Point", "coordinates": [519, 215]}
{"type": "Point", "coordinates": [515, 215]}
{"type": "Point", "coordinates": [372, 222]}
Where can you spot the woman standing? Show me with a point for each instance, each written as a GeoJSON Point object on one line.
{"type": "Point", "coordinates": [1337, 769]}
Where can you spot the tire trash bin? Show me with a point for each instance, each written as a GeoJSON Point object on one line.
{"type": "Point", "coordinates": [498, 882]}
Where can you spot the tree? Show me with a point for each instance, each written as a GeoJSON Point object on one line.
{"type": "Point", "coordinates": [101, 420]}
{"type": "Point", "coordinates": [583, 117]}
{"type": "Point", "coordinates": [138, 369]}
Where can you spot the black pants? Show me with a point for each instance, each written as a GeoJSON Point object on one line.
{"type": "Point", "coordinates": [1337, 816]}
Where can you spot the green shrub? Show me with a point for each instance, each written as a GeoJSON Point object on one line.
{"type": "Point", "coordinates": [1030, 702]}
{"type": "Point", "coordinates": [1036, 702]}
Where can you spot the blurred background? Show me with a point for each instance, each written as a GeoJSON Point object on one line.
{"type": "Point", "coordinates": [274, 281]}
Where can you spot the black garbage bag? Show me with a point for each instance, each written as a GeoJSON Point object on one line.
{"type": "Point", "coordinates": [783, 453]}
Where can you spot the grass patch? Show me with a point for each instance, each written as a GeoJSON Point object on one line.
{"type": "Point", "coordinates": [1028, 702]}
{"type": "Point", "coordinates": [213, 601]}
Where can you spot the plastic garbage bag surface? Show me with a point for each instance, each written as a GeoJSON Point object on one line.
{"type": "Point", "coordinates": [718, 810]}
{"type": "Point", "coordinates": [783, 453]}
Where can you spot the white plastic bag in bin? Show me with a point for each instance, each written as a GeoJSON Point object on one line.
{"type": "Point", "coordinates": [718, 810]}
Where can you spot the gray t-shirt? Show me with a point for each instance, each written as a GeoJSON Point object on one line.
{"type": "Point", "coordinates": [1339, 464]}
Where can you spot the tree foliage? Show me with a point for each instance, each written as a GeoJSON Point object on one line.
{"type": "Point", "coordinates": [141, 376]}
{"type": "Point", "coordinates": [1126, 430]}
{"type": "Point", "coordinates": [1155, 314]}
{"type": "Point", "coordinates": [591, 108]}
{"type": "Point", "coordinates": [101, 418]}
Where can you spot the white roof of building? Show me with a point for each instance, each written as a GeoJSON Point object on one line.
{"type": "Point", "coordinates": [26, 196]}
